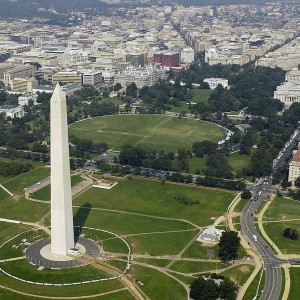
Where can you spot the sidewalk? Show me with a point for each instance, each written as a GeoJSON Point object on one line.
{"type": "Point", "coordinates": [258, 263]}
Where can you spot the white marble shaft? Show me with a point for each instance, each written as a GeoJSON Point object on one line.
{"type": "Point", "coordinates": [62, 232]}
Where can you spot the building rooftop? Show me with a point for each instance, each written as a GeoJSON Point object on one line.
{"type": "Point", "coordinates": [296, 156]}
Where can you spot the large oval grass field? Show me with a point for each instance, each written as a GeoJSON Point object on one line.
{"type": "Point", "coordinates": [151, 132]}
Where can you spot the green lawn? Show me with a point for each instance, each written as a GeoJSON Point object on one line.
{"type": "Point", "coordinates": [125, 224]}
{"type": "Point", "coordinates": [151, 132]}
{"type": "Point", "coordinates": [45, 192]}
{"type": "Point", "coordinates": [239, 274]}
{"type": "Point", "coordinates": [113, 100]}
{"type": "Point", "coordinates": [153, 198]}
{"type": "Point", "coordinates": [17, 184]}
{"type": "Point", "coordinates": [24, 270]}
{"type": "Point", "coordinates": [251, 291]}
{"type": "Point", "coordinates": [66, 291]}
{"type": "Point", "coordinates": [197, 163]}
{"type": "Point", "coordinates": [237, 162]}
{"type": "Point", "coordinates": [286, 245]}
{"type": "Point", "coordinates": [239, 207]}
{"type": "Point", "coordinates": [196, 250]}
{"type": "Point", "coordinates": [7, 250]}
{"type": "Point", "coordinates": [160, 244]}
{"type": "Point", "coordinates": [3, 194]}
{"type": "Point", "coordinates": [158, 285]}
{"type": "Point", "coordinates": [196, 267]}
{"type": "Point", "coordinates": [295, 286]}
{"type": "Point", "coordinates": [200, 95]}
{"type": "Point", "coordinates": [281, 209]}
{"type": "Point", "coordinates": [153, 261]}
{"type": "Point", "coordinates": [23, 210]}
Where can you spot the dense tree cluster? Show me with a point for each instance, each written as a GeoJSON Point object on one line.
{"type": "Point", "coordinates": [229, 245]}
{"type": "Point", "coordinates": [290, 233]}
{"type": "Point", "coordinates": [14, 168]}
{"type": "Point", "coordinates": [235, 185]}
{"type": "Point", "coordinates": [246, 194]}
{"type": "Point", "coordinates": [213, 287]}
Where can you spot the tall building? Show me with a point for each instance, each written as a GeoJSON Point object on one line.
{"type": "Point", "coordinates": [62, 232]}
{"type": "Point", "coordinates": [294, 167]}
{"type": "Point", "coordinates": [167, 59]}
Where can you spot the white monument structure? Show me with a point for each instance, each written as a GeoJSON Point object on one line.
{"type": "Point", "coordinates": [62, 232]}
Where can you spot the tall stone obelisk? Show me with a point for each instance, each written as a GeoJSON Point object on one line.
{"type": "Point", "coordinates": [62, 232]}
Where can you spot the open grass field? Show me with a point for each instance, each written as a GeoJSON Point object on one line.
{"type": "Point", "coordinates": [45, 192]}
{"type": "Point", "coordinates": [200, 95]}
{"type": "Point", "coordinates": [282, 209]}
{"type": "Point", "coordinates": [154, 262]}
{"type": "Point", "coordinates": [66, 291]}
{"type": "Point", "coordinates": [286, 213]}
{"type": "Point", "coordinates": [286, 245]}
{"type": "Point", "coordinates": [197, 250]}
{"type": "Point", "coordinates": [153, 198]}
{"type": "Point", "coordinates": [17, 184]}
{"type": "Point", "coordinates": [22, 210]}
{"type": "Point", "coordinates": [22, 269]}
{"type": "Point", "coordinates": [158, 285]}
{"type": "Point", "coordinates": [151, 132]}
{"type": "Point", "coordinates": [238, 162]}
{"type": "Point", "coordinates": [239, 274]}
{"type": "Point", "coordinates": [196, 267]}
{"type": "Point", "coordinates": [3, 194]}
{"type": "Point", "coordinates": [295, 286]}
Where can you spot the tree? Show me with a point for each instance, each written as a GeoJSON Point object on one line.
{"type": "Point", "coordinates": [228, 246]}
{"type": "Point", "coordinates": [290, 233]}
{"type": "Point", "coordinates": [246, 194]}
{"type": "Point", "coordinates": [131, 90]}
{"type": "Point", "coordinates": [297, 182]}
{"type": "Point", "coordinates": [203, 289]}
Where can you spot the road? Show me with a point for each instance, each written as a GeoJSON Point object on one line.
{"type": "Point", "coordinates": [272, 264]}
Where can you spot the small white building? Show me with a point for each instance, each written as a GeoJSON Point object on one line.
{"type": "Point", "coordinates": [12, 111]}
{"type": "Point", "coordinates": [214, 82]}
{"type": "Point", "coordinates": [27, 98]}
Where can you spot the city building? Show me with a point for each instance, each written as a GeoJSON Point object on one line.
{"type": "Point", "coordinates": [214, 82]}
{"type": "Point", "coordinates": [167, 59]}
{"type": "Point", "coordinates": [293, 76]}
{"type": "Point", "coordinates": [23, 85]}
{"type": "Point", "coordinates": [294, 167]}
{"type": "Point", "coordinates": [27, 99]}
{"type": "Point", "coordinates": [288, 93]}
{"type": "Point", "coordinates": [187, 56]}
{"type": "Point", "coordinates": [141, 76]}
{"type": "Point", "coordinates": [12, 111]}
{"type": "Point", "coordinates": [91, 77]}
{"type": "Point", "coordinates": [17, 72]}
{"type": "Point", "coordinates": [67, 77]}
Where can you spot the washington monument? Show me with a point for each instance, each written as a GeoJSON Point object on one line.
{"type": "Point", "coordinates": [62, 233]}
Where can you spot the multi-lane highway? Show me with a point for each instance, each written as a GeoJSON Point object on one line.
{"type": "Point", "coordinates": [272, 264]}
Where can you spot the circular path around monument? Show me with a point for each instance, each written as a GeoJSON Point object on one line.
{"type": "Point", "coordinates": [39, 253]}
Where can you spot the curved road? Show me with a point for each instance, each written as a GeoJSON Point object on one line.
{"type": "Point", "coordinates": [272, 264]}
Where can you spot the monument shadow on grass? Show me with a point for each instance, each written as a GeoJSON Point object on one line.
{"type": "Point", "coordinates": [80, 218]}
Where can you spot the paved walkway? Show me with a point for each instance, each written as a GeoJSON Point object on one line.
{"type": "Point", "coordinates": [258, 263]}
{"type": "Point", "coordinates": [48, 297]}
